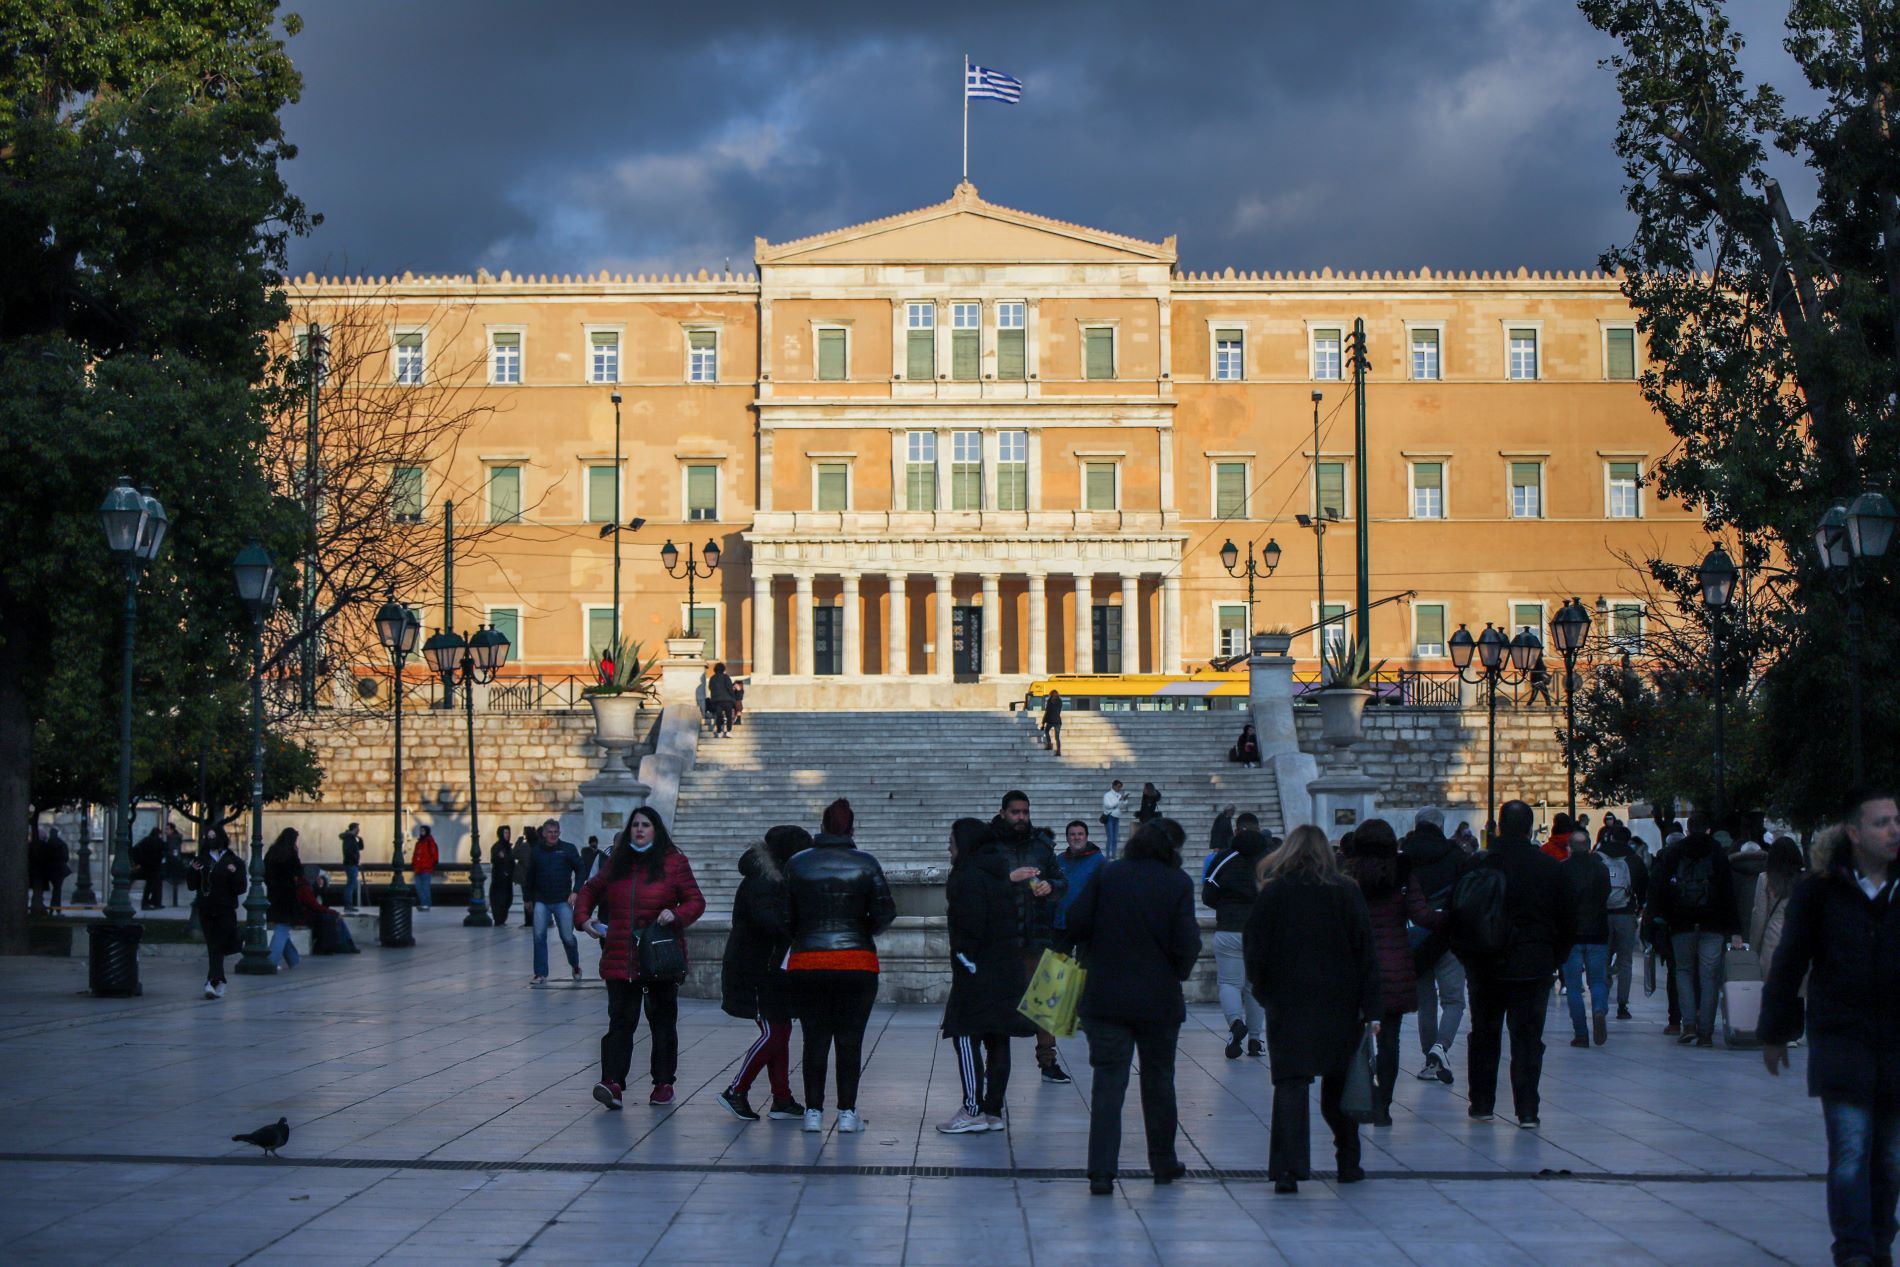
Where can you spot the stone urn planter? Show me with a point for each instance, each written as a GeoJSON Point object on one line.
{"type": "Point", "coordinates": [1341, 712]}
{"type": "Point", "coordinates": [616, 718]}
{"type": "Point", "coordinates": [1272, 643]}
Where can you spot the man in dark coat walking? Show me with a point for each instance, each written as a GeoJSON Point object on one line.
{"type": "Point", "coordinates": [1039, 883]}
{"type": "Point", "coordinates": [1512, 987]}
{"type": "Point", "coordinates": [501, 876]}
{"type": "Point", "coordinates": [987, 978]}
{"type": "Point", "coordinates": [217, 877]}
{"type": "Point", "coordinates": [1589, 958]}
{"type": "Point", "coordinates": [1435, 864]}
{"type": "Point", "coordinates": [1692, 891]}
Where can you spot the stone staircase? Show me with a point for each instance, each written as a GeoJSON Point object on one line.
{"type": "Point", "coordinates": [909, 775]}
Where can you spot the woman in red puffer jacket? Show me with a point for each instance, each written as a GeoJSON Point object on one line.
{"type": "Point", "coordinates": [646, 881]}
{"type": "Point", "coordinates": [1372, 859]}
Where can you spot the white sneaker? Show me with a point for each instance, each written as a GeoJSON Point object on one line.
{"type": "Point", "coordinates": [814, 1120]}
{"type": "Point", "coordinates": [963, 1123]}
{"type": "Point", "coordinates": [211, 991]}
{"type": "Point", "coordinates": [849, 1122]}
{"type": "Point", "coordinates": [219, 988]}
{"type": "Point", "coordinates": [995, 1121]}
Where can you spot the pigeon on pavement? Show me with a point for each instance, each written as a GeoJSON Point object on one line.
{"type": "Point", "coordinates": [269, 1138]}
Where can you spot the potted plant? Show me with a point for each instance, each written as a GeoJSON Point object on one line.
{"type": "Point", "coordinates": [623, 680]}
{"type": "Point", "coordinates": [1348, 673]}
{"type": "Point", "coordinates": [1274, 641]}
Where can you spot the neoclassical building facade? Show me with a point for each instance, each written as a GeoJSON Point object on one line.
{"type": "Point", "coordinates": [948, 452]}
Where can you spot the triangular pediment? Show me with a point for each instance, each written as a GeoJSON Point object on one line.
{"type": "Point", "coordinates": [966, 229]}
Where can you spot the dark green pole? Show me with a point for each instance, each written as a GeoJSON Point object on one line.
{"type": "Point", "coordinates": [1362, 514]}
{"type": "Point", "coordinates": [448, 589]}
{"type": "Point", "coordinates": [315, 347]}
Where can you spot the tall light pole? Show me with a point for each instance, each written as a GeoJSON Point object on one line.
{"type": "Point", "coordinates": [1268, 564]}
{"type": "Point", "coordinates": [670, 556]}
{"type": "Point", "coordinates": [1847, 538]}
{"type": "Point", "coordinates": [474, 661]}
{"type": "Point", "coordinates": [1717, 578]}
{"type": "Point", "coordinates": [257, 587]}
{"type": "Point", "coordinates": [135, 526]}
{"type": "Point", "coordinates": [616, 523]}
{"type": "Point", "coordinates": [1317, 521]}
{"type": "Point", "coordinates": [1362, 516]}
{"type": "Point", "coordinates": [397, 629]}
{"type": "Point", "coordinates": [316, 349]}
{"type": "Point", "coordinates": [1569, 629]}
{"type": "Point", "coordinates": [1495, 653]}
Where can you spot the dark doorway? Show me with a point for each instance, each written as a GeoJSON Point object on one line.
{"type": "Point", "coordinates": [966, 642]}
{"type": "Point", "coordinates": [827, 641]}
{"type": "Point", "coordinates": [1108, 639]}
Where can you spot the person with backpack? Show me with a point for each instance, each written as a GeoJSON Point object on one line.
{"type": "Point", "coordinates": [1435, 863]}
{"type": "Point", "coordinates": [1229, 891]}
{"type": "Point", "coordinates": [1589, 958]}
{"type": "Point", "coordinates": [1694, 894]}
{"type": "Point", "coordinates": [1629, 889]}
{"type": "Point", "coordinates": [1513, 918]}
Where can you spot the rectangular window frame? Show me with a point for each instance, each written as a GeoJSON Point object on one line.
{"type": "Point", "coordinates": [966, 340]}
{"type": "Point", "coordinates": [1636, 352]}
{"type": "Point", "coordinates": [709, 641]}
{"type": "Point", "coordinates": [1337, 364]}
{"type": "Point", "coordinates": [588, 611]}
{"type": "Point", "coordinates": [1437, 330]}
{"type": "Point", "coordinates": [596, 373]}
{"type": "Point", "coordinates": [1610, 488]}
{"type": "Point", "coordinates": [489, 472]}
{"type": "Point", "coordinates": [1512, 624]}
{"type": "Point", "coordinates": [1511, 486]}
{"type": "Point", "coordinates": [963, 480]}
{"type": "Point", "coordinates": [1413, 488]}
{"type": "Point", "coordinates": [1230, 366]}
{"type": "Point", "coordinates": [407, 368]}
{"type": "Point", "coordinates": [300, 350]}
{"type": "Point", "coordinates": [1246, 486]}
{"type": "Point", "coordinates": [1344, 463]}
{"type": "Point", "coordinates": [1012, 336]}
{"type": "Point", "coordinates": [601, 514]}
{"type": "Point", "coordinates": [1510, 330]}
{"type": "Point", "coordinates": [1220, 609]}
{"type": "Point", "coordinates": [1626, 642]}
{"type": "Point", "coordinates": [702, 364]}
{"type": "Point", "coordinates": [497, 374]}
{"type": "Point", "coordinates": [915, 444]}
{"type": "Point", "coordinates": [842, 332]}
{"type": "Point", "coordinates": [1432, 651]}
{"type": "Point", "coordinates": [1341, 628]}
{"type": "Point", "coordinates": [400, 497]}
{"type": "Point", "coordinates": [514, 639]}
{"type": "Point", "coordinates": [1009, 469]}
{"type": "Point", "coordinates": [920, 340]}
{"type": "Point", "coordinates": [687, 512]}
{"type": "Point", "coordinates": [819, 464]}
{"type": "Point", "coordinates": [1115, 490]}
{"type": "Point", "coordinates": [1112, 330]}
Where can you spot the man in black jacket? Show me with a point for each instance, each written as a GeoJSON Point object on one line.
{"type": "Point", "coordinates": [1693, 892]}
{"type": "Point", "coordinates": [217, 877]}
{"type": "Point", "coordinates": [1435, 863]}
{"type": "Point", "coordinates": [1629, 889]}
{"type": "Point", "coordinates": [1039, 883]}
{"type": "Point", "coordinates": [353, 868]}
{"type": "Point", "coordinates": [1513, 987]}
{"type": "Point", "coordinates": [1842, 937]}
{"type": "Point", "coordinates": [1589, 957]}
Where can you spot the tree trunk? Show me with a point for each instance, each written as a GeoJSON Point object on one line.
{"type": "Point", "coordinates": [16, 768]}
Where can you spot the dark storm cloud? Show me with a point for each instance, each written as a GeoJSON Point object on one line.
{"type": "Point", "coordinates": [564, 138]}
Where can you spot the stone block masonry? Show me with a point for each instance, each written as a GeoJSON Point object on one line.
{"type": "Point", "coordinates": [1425, 756]}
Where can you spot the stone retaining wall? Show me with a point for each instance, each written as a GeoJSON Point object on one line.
{"type": "Point", "coordinates": [1429, 756]}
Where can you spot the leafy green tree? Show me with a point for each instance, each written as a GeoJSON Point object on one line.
{"type": "Point", "coordinates": [143, 220]}
{"type": "Point", "coordinates": [1774, 342]}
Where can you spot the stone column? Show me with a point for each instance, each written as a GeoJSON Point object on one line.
{"type": "Point", "coordinates": [1171, 623]}
{"type": "Point", "coordinates": [1038, 625]}
{"type": "Point", "coordinates": [992, 625]}
{"type": "Point", "coordinates": [853, 628]}
{"type": "Point", "coordinates": [802, 624]}
{"type": "Point", "coordinates": [1084, 626]}
{"type": "Point", "coordinates": [1131, 622]}
{"type": "Point", "coordinates": [945, 665]}
{"type": "Point", "coordinates": [897, 659]}
{"type": "Point", "coordinates": [764, 633]}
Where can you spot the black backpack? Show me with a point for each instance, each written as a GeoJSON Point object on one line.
{"type": "Point", "coordinates": [1480, 928]}
{"type": "Point", "coordinates": [1694, 883]}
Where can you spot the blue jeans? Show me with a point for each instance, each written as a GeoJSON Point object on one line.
{"type": "Point", "coordinates": [423, 880]}
{"type": "Point", "coordinates": [1594, 960]}
{"type": "Point", "coordinates": [1698, 978]}
{"type": "Point", "coordinates": [282, 948]}
{"type": "Point", "coordinates": [352, 885]}
{"type": "Point", "coordinates": [1113, 830]}
{"type": "Point", "coordinates": [1863, 1177]}
{"type": "Point", "coordinates": [563, 916]}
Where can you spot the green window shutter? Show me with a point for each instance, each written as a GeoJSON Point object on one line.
{"type": "Point", "coordinates": [1526, 616]}
{"type": "Point", "coordinates": [1524, 474]}
{"type": "Point", "coordinates": [921, 487]}
{"type": "Point", "coordinates": [507, 623]}
{"type": "Point", "coordinates": [832, 486]}
{"type": "Point", "coordinates": [702, 492]}
{"type": "Point", "coordinates": [600, 494]}
{"type": "Point", "coordinates": [405, 492]}
{"type": "Point", "coordinates": [831, 355]}
{"type": "Point", "coordinates": [1430, 627]}
{"type": "Point", "coordinates": [965, 354]}
{"type": "Point", "coordinates": [1332, 487]}
{"type": "Point", "coordinates": [600, 630]}
{"type": "Point", "coordinates": [920, 364]}
{"type": "Point", "coordinates": [1428, 475]}
{"type": "Point", "coordinates": [966, 486]}
{"type": "Point", "coordinates": [1098, 353]}
{"type": "Point", "coordinates": [1101, 486]}
{"type": "Point", "coordinates": [1623, 471]}
{"type": "Point", "coordinates": [1230, 490]}
{"type": "Point", "coordinates": [1012, 360]}
{"type": "Point", "coordinates": [504, 494]}
{"type": "Point", "coordinates": [1012, 486]}
{"type": "Point", "coordinates": [702, 340]}
{"type": "Point", "coordinates": [1622, 354]}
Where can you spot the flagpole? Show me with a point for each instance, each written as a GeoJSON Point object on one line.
{"type": "Point", "coordinates": [966, 118]}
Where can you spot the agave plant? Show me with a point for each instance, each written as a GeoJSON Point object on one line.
{"type": "Point", "coordinates": [621, 670]}
{"type": "Point", "coordinates": [1347, 664]}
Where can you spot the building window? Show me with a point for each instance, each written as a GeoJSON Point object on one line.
{"type": "Point", "coordinates": [1619, 353]}
{"type": "Point", "coordinates": [1428, 629]}
{"type": "Point", "coordinates": [1332, 621]}
{"type": "Point", "coordinates": [504, 356]}
{"type": "Point", "coordinates": [1327, 365]}
{"type": "Point", "coordinates": [1625, 490]}
{"type": "Point", "coordinates": [504, 494]}
{"type": "Point", "coordinates": [1527, 490]}
{"type": "Point", "coordinates": [1428, 490]}
{"type": "Point", "coordinates": [409, 357]}
{"type": "Point", "coordinates": [1332, 490]}
{"type": "Point", "coordinates": [602, 485]}
{"type": "Point", "coordinates": [920, 470]}
{"type": "Point", "coordinates": [702, 356]}
{"type": "Point", "coordinates": [507, 623]}
{"type": "Point", "coordinates": [1012, 470]}
{"type": "Point", "coordinates": [1229, 356]}
{"type": "Point", "coordinates": [302, 344]}
{"type": "Point", "coordinates": [1626, 626]}
{"type": "Point", "coordinates": [834, 486]}
{"type": "Point", "coordinates": [405, 494]}
{"type": "Point", "coordinates": [1098, 485]}
{"type": "Point", "coordinates": [1098, 352]}
{"type": "Point", "coordinates": [1230, 490]}
{"type": "Point", "coordinates": [1527, 616]}
{"type": "Point", "coordinates": [920, 342]}
{"type": "Point", "coordinates": [603, 356]}
{"type": "Point", "coordinates": [831, 350]}
{"type": "Point", "coordinates": [1012, 347]}
{"type": "Point", "coordinates": [600, 630]}
{"type": "Point", "coordinates": [1230, 629]}
{"type": "Point", "coordinates": [966, 470]}
{"type": "Point", "coordinates": [966, 341]}
{"type": "Point", "coordinates": [703, 620]}
{"type": "Point", "coordinates": [1522, 362]}
{"type": "Point", "coordinates": [1425, 362]}
{"type": "Point", "coordinates": [702, 493]}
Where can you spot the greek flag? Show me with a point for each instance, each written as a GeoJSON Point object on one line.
{"type": "Point", "coordinates": [983, 84]}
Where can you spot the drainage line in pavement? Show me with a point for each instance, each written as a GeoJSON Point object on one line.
{"type": "Point", "coordinates": [1226, 1175]}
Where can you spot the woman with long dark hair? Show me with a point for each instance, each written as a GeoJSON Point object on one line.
{"type": "Point", "coordinates": [282, 869]}
{"type": "Point", "coordinates": [1392, 900]}
{"type": "Point", "coordinates": [647, 880]}
{"type": "Point", "coordinates": [752, 974]}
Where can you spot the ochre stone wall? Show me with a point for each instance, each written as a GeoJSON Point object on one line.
{"type": "Point", "coordinates": [1427, 756]}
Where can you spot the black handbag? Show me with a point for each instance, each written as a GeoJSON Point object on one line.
{"type": "Point", "coordinates": [1356, 1099]}
{"type": "Point", "coordinates": [662, 957]}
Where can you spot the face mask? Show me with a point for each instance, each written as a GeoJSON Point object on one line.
{"type": "Point", "coordinates": [638, 848]}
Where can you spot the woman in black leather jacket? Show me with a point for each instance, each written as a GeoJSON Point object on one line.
{"type": "Point", "coordinates": [837, 902]}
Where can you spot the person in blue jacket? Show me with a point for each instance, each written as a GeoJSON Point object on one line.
{"type": "Point", "coordinates": [1079, 862]}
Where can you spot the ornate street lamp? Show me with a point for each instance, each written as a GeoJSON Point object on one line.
{"type": "Point", "coordinates": [669, 559]}
{"type": "Point", "coordinates": [472, 662]}
{"type": "Point", "coordinates": [1717, 579]}
{"type": "Point", "coordinates": [135, 525]}
{"type": "Point", "coordinates": [1268, 564]}
{"type": "Point", "coordinates": [1569, 629]}
{"type": "Point", "coordinates": [1848, 539]}
{"type": "Point", "coordinates": [257, 587]}
{"type": "Point", "coordinates": [1499, 660]}
{"type": "Point", "coordinates": [397, 629]}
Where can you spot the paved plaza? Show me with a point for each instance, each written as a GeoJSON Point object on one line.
{"type": "Point", "coordinates": [441, 1113]}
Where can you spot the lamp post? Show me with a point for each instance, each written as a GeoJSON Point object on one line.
{"type": "Point", "coordinates": [474, 662]}
{"type": "Point", "coordinates": [135, 526]}
{"type": "Point", "coordinates": [1569, 629]}
{"type": "Point", "coordinates": [1268, 564]}
{"type": "Point", "coordinates": [257, 587]}
{"type": "Point", "coordinates": [1847, 538]}
{"type": "Point", "coordinates": [1717, 578]}
{"type": "Point", "coordinates": [1495, 652]}
{"type": "Point", "coordinates": [616, 523]}
{"type": "Point", "coordinates": [670, 557]}
{"type": "Point", "coordinates": [397, 628]}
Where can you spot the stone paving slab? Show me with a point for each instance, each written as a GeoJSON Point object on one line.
{"type": "Point", "coordinates": [441, 1113]}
